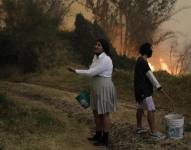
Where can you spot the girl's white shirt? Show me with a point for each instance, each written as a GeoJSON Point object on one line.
{"type": "Point", "coordinates": [101, 66]}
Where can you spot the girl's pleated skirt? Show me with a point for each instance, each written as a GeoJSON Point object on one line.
{"type": "Point", "coordinates": [103, 98]}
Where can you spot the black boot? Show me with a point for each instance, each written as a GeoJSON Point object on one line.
{"type": "Point", "coordinates": [104, 140]}
{"type": "Point", "coordinates": [96, 137]}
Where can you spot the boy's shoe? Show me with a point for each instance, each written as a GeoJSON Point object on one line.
{"type": "Point", "coordinates": [141, 130]}
{"type": "Point", "coordinates": [157, 136]}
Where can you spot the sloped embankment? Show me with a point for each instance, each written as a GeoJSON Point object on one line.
{"type": "Point", "coordinates": [77, 122]}
{"type": "Point", "coordinates": [36, 117]}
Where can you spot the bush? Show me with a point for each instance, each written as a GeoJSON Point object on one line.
{"type": "Point", "coordinates": [85, 35]}
{"type": "Point", "coordinates": [29, 31]}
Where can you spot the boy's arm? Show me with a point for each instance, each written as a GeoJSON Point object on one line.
{"type": "Point", "coordinates": [153, 80]}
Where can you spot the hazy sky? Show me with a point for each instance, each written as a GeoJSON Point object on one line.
{"type": "Point", "coordinates": [75, 9]}
{"type": "Point", "coordinates": [179, 23]}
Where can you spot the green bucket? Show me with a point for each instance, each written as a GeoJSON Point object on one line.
{"type": "Point", "coordinates": [84, 99]}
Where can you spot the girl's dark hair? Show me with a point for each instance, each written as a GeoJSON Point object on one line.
{"type": "Point", "coordinates": [105, 45]}
{"type": "Point", "coordinates": [146, 49]}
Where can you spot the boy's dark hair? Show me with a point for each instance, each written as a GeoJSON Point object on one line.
{"type": "Point", "coordinates": [146, 49]}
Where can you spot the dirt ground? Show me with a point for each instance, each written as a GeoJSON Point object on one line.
{"type": "Point", "coordinates": [122, 136]}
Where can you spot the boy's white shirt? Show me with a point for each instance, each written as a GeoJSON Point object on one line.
{"type": "Point", "coordinates": [153, 79]}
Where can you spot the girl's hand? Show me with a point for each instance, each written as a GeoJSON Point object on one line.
{"type": "Point", "coordinates": [71, 69]}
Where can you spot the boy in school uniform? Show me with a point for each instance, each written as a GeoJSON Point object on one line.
{"type": "Point", "coordinates": [144, 81]}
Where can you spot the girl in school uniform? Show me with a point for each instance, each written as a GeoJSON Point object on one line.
{"type": "Point", "coordinates": [103, 93]}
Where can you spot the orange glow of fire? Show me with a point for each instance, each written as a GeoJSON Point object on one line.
{"type": "Point", "coordinates": [164, 66]}
{"type": "Point", "coordinates": [152, 67]}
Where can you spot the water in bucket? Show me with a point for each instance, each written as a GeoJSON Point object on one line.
{"type": "Point", "coordinates": [174, 126]}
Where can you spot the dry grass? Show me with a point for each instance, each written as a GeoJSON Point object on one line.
{"type": "Point", "coordinates": [29, 124]}
{"type": "Point", "coordinates": [50, 95]}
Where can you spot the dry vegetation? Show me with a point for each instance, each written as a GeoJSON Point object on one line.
{"type": "Point", "coordinates": [39, 111]}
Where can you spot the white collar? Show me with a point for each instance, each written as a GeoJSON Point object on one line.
{"type": "Point", "coordinates": [103, 54]}
{"type": "Point", "coordinates": [144, 57]}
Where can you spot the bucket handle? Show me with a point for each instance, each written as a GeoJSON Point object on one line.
{"type": "Point", "coordinates": [170, 100]}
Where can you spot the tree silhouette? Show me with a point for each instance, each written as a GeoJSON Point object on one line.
{"type": "Point", "coordinates": [133, 21]}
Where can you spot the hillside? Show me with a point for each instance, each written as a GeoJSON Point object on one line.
{"type": "Point", "coordinates": [39, 111]}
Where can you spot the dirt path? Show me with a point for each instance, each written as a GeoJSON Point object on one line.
{"type": "Point", "coordinates": [123, 136]}
{"type": "Point", "coordinates": [61, 100]}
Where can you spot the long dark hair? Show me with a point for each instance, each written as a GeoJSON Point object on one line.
{"type": "Point", "coordinates": [105, 45]}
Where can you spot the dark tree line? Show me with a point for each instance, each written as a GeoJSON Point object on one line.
{"type": "Point", "coordinates": [84, 37]}
{"type": "Point", "coordinates": [30, 33]}
{"type": "Point", "coordinates": [31, 36]}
